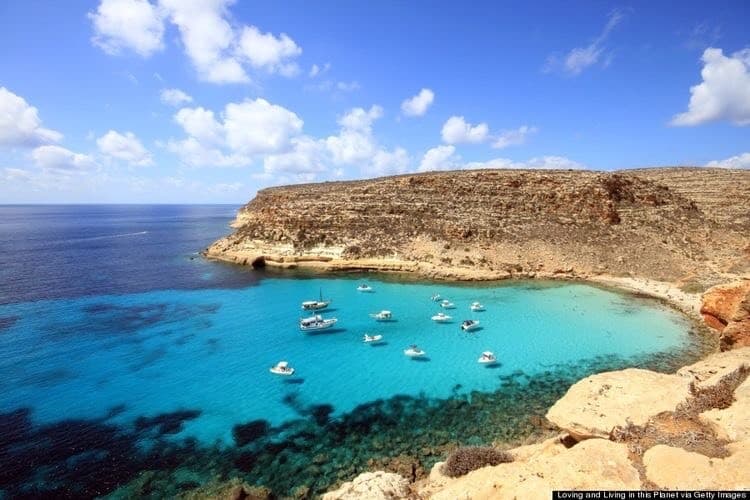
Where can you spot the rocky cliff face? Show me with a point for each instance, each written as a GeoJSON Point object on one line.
{"type": "Point", "coordinates": [677, 224]}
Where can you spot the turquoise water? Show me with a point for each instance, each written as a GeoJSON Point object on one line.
{"type": "Point", "coordinates": [163, 351]}
{"type": "Point", "coordinates": [122, 352]}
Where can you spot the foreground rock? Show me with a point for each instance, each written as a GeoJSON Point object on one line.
{"type": "Point", "coordinates": [726, 308]}
{"type": "Point", "coordinates": [548, 470]}
{"type": "Point", "coordinates": [371, 486]}
{"type": "Point", "coordinates": [595, 405]}
{"type": "Point", "coordinates": [677, 469]}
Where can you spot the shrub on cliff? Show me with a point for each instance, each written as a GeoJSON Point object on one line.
{"type": "Point", "coordinates": [464, 460]}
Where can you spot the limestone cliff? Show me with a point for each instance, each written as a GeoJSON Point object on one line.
{"type": "Point", "coordinates": [682, 225]}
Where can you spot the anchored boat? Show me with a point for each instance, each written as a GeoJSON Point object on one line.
{"type": "Point", "coordinates": [372, 339]}
{"type": "Point", "coordinates": [364, 287]}
{"type": "Point", "coordinates": [487, 358]}
{"type": "Point", "coordinates": [282, 368]}
{"type": "Point", "coordinates": [476, 307]}
{"type": "Point", "coordinates": [414, 352]}
{"type": "Point", "coordinates": [447, 304]}
{"type": "Point", "coordinates": [441, 318]}
{"type": "Point", "coordinates": [316, 322]}
{"type": "Point", "coordinates": [382, 316]}
{"type": "Point", "coordinates": [469, 325]}
{"type": "Point", "coordinates": [316, 305]}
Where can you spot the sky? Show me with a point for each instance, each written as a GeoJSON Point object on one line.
{"type": "Point", "coordinates": [208, 101]}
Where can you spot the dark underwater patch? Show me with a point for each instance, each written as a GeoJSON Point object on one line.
{"type": "Point", "coordinates": [8, 321]}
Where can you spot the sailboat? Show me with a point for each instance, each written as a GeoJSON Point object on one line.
{"type": "Point", "coordinates": [316, 305]}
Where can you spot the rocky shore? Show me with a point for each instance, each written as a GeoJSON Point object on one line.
{"type": "Point", "coordinates": [678, 234]}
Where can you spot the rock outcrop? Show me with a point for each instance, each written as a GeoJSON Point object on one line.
{"type": "Point", "coordinates": [726, 308]}
{"type": "Point", "coordinates": [588, 456]}
{"type": "Point", "coordinates": [371, 486]}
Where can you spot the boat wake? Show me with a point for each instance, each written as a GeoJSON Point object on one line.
{"type": "Point", "coordinates": [107, 236]}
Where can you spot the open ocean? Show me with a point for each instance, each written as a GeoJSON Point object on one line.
{"type": "Point", "coordinates": [130, 366]}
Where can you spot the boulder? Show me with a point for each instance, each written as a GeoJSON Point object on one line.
{"type": "Point", "coordinates": [371, 486]}
{"type": "Point", "coordinates": [595, 405]}
{"type": "Point", "coordinates": [678, 469]}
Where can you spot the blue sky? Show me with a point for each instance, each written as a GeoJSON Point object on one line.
{"type": "Point", "coordinates": [207, 101]}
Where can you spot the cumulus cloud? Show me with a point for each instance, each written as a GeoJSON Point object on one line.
{"type": "Point", "coordinates": [736, 162]}
{"type": "Point", "coordinates": [418, 105]}
{"type": "Point", "coordinates": [724, 93]}
{"type": "Point", "coordinates": [456, 130]}
{"type": "Point", "coordinates": [354, 143]}
{"type": "Point", "coordinates": [174, 97]}
{"type": "Point", "coordinates": [217, 48]}
{"type": "Point", "coordinates": [266, 51]}
{"type": "Point", "coordinates": [316, 70]}
{"type": "Point", "coordinates": [386, 162]}
{"type": "Point", "coordinates": [124, 147]}
{"type": "Point", "coordinates": [513, 137]}
{"type": "Point", "coordinates": [57, 158]}
{"type": "Point", "coordinates": [20, 125]}
{"type": "Point", "coordinates": [440, 158]}
{"type": "Point", "coordinates": [580, 58]}
{"type": "Point", "coordinates": [136, 25]}
{"type": "Point", "coordinates": [244, 130]}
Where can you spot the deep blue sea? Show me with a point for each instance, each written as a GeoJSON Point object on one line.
{"type": "Point", "coordinates": [131, 366]}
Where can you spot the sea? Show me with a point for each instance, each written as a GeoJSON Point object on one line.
{"type": "Point", "coordinates": [132, 367]}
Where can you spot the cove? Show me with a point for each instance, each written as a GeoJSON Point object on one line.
{"type": "Point", "coordinates": [187, 371]}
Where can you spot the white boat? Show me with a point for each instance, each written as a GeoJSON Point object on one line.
{"type": "Point", "coordinates": [447, 304]}
{"type": "Point", "coordinates": [414, 352]}
{"type": "Point", "coordinates": [282, 368]}
{"type": "Point", "coordinates": [441, 318]}
{"type": "Point", "coordinates": [316, 305]}
{"type": "Point", "coordinates": [372, 339]}
{"type": "Point", "coordinates": [316, 322]}
{"type": "Point", "coordinates": [476, 307]}
{"type": "Point", "coordinates": [364, 287]}
{"type": "Point", "coordinates": [382, 316]}
{"type": "Point", "coordinates": [469, 325]}
{"type": "Point", "coordinates": [487, 358]}
{"type": "Point", "coordinates": [435, 297]}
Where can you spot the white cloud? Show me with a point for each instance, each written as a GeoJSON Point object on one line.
{"type": "Point", "coordinates": [418, 105]}
{"type": "Point", "coordinates": [174, 97]}
{"type": "Point", "coordinates": [264, 50]}
{"type": "Point", "coordinates": [540, 162]}
{"type": "Point", "coordinates": [196, 154]}
{"type": "Point", "coordinates": [125, 147]}
{"type": "Point", "coordinates": [216, 47]}
{"type": "Point", "coordinates": [200, 124]}
{"type": "Point", "coordinates": [208, 38]}
{"type": "Point", "coordinates": [580, 58]}
{"type": "Point", "coordinates": [354, 143]}
{"type": "Point", "coordinates": [513, 137]}
{"type": "Point", "coordinates": [303, 162]}
{"type": "Point", "coordinates": [244, 130]}
{"type": "Point", "coordinates": [20, 124]}
{"type": "Point", "coordinates": [724, 93]}
{"type": "Point", "coordinates": [389, 162]}
{"type": "Point", "coordinates": [456, 130]}
{"type": "Point", "coordinates": [52, 157]}
{"type": "Point", "coordinates": [736, 162]}
{"type": "Point", "coordinates": [440, 158]}
{"type": "Point", "coordinates": [258, 126]}
{"type": "Point", "coordinates": [347, 86]}
{"type": "Point", "coordinates": [127, 24]}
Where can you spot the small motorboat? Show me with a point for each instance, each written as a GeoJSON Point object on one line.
{"type": "Point", "coordinates": [316, 305]}
{"type": "Point", "coordinates": [364, 287]}
{"type": "Point", "coordinates": [441, 318]}
{"type": "Point", "coordinates": [316, 322]}
{"type": "Point", "coordinates": [372, 339]}
{"type": "Point", "coordinates": [476, 307]}
{"type": "Point", "coordinates": [435, 297]}
{"type": "Point", "coordinates": [487, 358]}
{"type": "Point", "coordinates": [447, 304]}
{"type": "Point", "coordinates": [282, 368]}
{"type": "Point", "coordinates": [414, 352]}
{"type": "Point", "coordinates": [469, 325]}
{"type": "Point", "coordinates": [382, 316]}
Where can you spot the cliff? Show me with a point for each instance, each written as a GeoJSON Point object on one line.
{"type": "Point", "coordinates": [689, 226]}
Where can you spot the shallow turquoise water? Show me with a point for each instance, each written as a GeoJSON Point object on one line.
{"type": "Point", "coordinates": [210, 350]}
